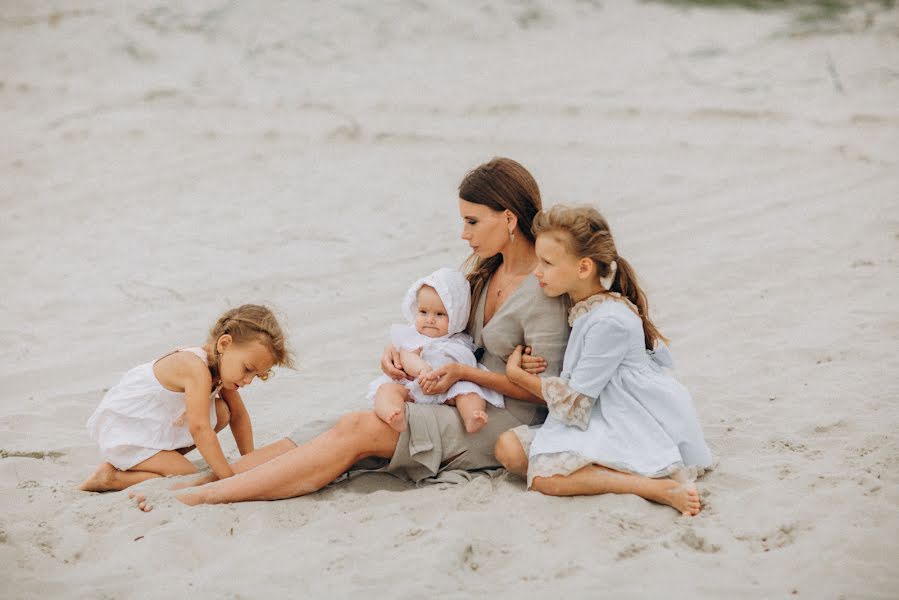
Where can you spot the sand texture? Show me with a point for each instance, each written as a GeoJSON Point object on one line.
{"type": "Point", "coordinates": [162, 162]}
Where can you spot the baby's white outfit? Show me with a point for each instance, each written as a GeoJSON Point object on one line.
{"type": "Point", "coordinates": [138, 417]}
{"type": "Point", "coordinates": [455, 347]}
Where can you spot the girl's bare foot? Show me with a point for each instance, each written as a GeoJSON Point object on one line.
{"type": "Point", "coordinates": [682, 497]}
{"type": "Point", "coordinates": [101, 480]}
{"type": "Point", "coordinates": [141, 501]}
{"type": "Point", "coordinates": [475, 421]}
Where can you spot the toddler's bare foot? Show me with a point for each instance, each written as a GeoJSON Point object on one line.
{"type": "Point", "coordinates": [682, 497]}
{"type": "Point", "coordinates": [474, 422]}
{"type": "Point", "coordinates": [397, 420]}
{"type": "Point", "coordinates": [101, 480]}
{"type": "Point", "coordinates": [141, 501]}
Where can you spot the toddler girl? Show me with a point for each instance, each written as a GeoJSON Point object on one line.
{"type": "Point", "coordinates": [613, 406]}
{"type": "Point", "coordinates": [161, 410]}
{"type": "Point", "coordinates": [437, 308]}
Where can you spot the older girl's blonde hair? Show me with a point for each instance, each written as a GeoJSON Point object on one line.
{"type": "Point", "coordinates": [586, 234]}
{"type": "Point", "coordinates": [252, 322]}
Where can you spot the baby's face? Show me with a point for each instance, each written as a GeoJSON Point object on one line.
{"type": "Point", "coordinates": [431, 318]}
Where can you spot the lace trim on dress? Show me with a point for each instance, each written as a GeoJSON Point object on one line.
{"type": "Point", "coordinates": [557, 463]}
{"type": "Point", "coordinates": [584, 306]}
{"type": "Point", "coordinates": [565, 404]}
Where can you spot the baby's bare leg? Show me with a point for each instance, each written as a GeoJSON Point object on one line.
{"type": "Point", "coordinates": [390, 400]}
{"type": "Point", "coordinates": [472, 409]}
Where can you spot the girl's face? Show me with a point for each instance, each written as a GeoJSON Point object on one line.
{"type": "Point", "coordinates": [557, 269]}
{"type": "Point", "coordinates": [431, 318]}
{"type": "Point", "coordinates": [486, 230]}
{"type": "Point", "coordinates": [240, 363]}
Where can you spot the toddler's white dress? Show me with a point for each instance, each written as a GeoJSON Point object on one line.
{"type": "Point", "coordinates": [138, 417]}
{"type": "Point", "coordinates": [614, 404]}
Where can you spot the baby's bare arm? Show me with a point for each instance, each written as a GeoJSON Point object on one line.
{"type": "Point", "coordinates": [413, 363]}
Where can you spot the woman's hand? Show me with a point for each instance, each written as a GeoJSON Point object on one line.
{"type": "Point", "coordinates": [513, 365]}
{"type": "Point", "coordinates": [441, 379]}
{"type": "Point", "coordinates": [392, 365]}
{"type": "Point", "coordinates": [532, 364]}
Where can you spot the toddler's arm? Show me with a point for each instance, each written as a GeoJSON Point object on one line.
{"type": "Point", "coordinates": [197, 388]}
{"type": "Point", "coordinates": [241, 426]}
{"type": "Point", "coordinates": [413, 363]}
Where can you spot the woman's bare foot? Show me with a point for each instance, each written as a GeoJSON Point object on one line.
{"type": "Point", "coordinates": [682, 497]}
{"type": "Point", "coordinates": [101, 480]}
{"type": "Point", "coordinates": [141, 501]}
{"type": "Point", "coordinates": [475, 421]}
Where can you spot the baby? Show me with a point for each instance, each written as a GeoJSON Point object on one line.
{"type": "Point", "coordinates": [437, 309]}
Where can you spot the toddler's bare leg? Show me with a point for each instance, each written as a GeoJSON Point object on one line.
{"type": "Point", "coordinates": [472, 409]}
{"type": "Point", "coordinates": [594, 479]}
{"type": "Point", "coordinates": [109, 479]}
{"type": "Point", "coordinates": [390, 407]}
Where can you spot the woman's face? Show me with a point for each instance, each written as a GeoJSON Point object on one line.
{"type": "Point", "coordinates": [486, 230]}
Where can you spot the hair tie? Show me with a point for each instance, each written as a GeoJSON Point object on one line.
{"type": "Point", "coordinates": [609, 279]}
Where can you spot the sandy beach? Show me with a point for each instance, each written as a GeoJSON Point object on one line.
{"type": "Point", "coordinates": [163, 161]}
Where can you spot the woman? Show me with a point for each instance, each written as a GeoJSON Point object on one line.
{"type": "Point", "coordinates": [497, 202]}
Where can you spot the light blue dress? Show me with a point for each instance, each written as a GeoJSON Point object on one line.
{"type": "Point", "coordinates": [643, 422]}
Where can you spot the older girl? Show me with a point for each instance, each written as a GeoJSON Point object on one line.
{"type": "Point", "coordinates": [617, 421]}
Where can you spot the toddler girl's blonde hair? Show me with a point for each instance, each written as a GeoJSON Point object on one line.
{"type": "Point", "coordinates": [252, 322]}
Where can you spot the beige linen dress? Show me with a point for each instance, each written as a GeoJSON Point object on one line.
{"type": "Point", "coordinates": [435, 440]}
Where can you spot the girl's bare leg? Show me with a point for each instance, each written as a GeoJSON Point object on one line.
{"type": "Point", "coordinates": [306, 468]}
{"type": "Point", "coordinates": [390, 407]}
{"type": "Point", "coordinates": [511, 455]}
{"type": "Point", "coordinates": [245, 462]}
{"type": "Point", "coordinates": [594, 479]}
{"type": "Point", "coordinates": [109, 479]}
{"type": "Point", "coordinates": [473, 410]}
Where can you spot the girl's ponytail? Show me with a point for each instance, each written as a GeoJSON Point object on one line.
{"type": "Point", "coordinates": [626, 284]}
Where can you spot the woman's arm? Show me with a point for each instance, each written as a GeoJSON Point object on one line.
{"type": "Point", "coordinates": [443, 378]}
{"type": "Point", "coordinates": [240, 424]}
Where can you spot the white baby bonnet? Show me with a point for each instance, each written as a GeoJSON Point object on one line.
{"type": "Point", "coordinates": [454, 291]}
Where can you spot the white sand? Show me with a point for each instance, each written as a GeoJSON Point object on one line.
{"type": "Point", "coordinates": [163, 162]}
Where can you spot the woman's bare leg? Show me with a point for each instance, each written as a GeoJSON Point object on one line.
{"type": "Point", "coordinates": [306, 468]}
{"type": "Point", "coordinates": [245, 462]}
{"type": "Point", "coordinates": [593, 479]}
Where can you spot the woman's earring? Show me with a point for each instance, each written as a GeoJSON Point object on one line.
{"type": "Point", "coordinates": [512, 236]}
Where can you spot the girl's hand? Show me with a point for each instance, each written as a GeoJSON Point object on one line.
{"type": "Point", "coordinates": [513, 365]}
{"type": "Point", "coordinates": [392, 365]}
{"type": "Point", "coordinates": [440, 380]}
{"type": "Point", "coordinates": [532, 364]}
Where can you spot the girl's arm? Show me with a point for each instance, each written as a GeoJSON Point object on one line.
{"type": "Point", "coordinates": [522, 378]}
{"type": "Point", "coordinates": [197, 389]}
{"type": "Point", "coordinates": [241, 426]}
